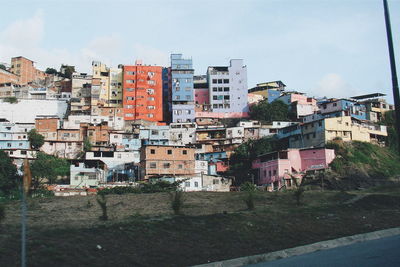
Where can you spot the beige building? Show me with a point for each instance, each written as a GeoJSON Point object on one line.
{"type": "Point", "coordinates": [318, 133]}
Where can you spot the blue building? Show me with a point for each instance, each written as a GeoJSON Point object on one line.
{"type": "Point", "coordinates": [182, 92]}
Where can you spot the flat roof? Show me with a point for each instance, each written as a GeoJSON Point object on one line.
{"type": "Point", "coordinates": [368, 96]}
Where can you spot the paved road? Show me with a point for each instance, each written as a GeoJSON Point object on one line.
{"type": "Point", "coordinates": [381, 252]}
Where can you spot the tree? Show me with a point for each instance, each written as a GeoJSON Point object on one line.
{"type": "Point", "coordinates": [87, 146]}
{"type": "Point", "coordinates": [67, 71]}
{"type": "Point", "coordinates": [48, 167]}
{"type": "Point", "coordinates": [51, 71]}
{"type": "Point", "coordinates": [389, 120]}
{"type": "Point", "coordinates": [36, 140]}
{"type": "Point", "coordinates": [8, 174]}
{"type": "Point", "coordinates": [268, 112]}
{"type": "Point", "coordinates": [3, 67]}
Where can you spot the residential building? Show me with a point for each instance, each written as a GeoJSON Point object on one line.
{"type": "Point", "coordinates": [228, 89]}
{"type": "Point", "coordinates": [81, 93]}
{"type": "Point", "coordinates": [8, 77]}
{"type": "Point", "coordinates": [26, 70]}
{"type": "Point", "coordinates": [159, 161]}
{"type": "Point", "coordinates": [299, 103]}
{"type": "Point", "coordinates": [182, 93]}
{"type": "Point", "coordinates": [89, 173]}
{"type": "Point", "coordinates": [318, 133]}
{"type": "Point", "coordinates": [277, 169]}
{"type": "Point", "coordinates": [143, 92]}
{"type": "Point", "coordinates": [268, 90]}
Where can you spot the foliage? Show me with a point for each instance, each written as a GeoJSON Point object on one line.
{"type": "Point", "coordinates": [151, 187]}
{"type": "Point", "coordinates": [35, 139]}
{"type": "Point", "coordinates": [3, 67]}
{"type": "Point", "coordinates": [10, 99]}
{"type": "Point", "coordinates": [268, 112]}
{"type": "Point", "coordinates": [389, 119]}
{"type": "Point", "coordinates": [177, 200]}
{"type": "Point", "coordinates": [68, 71]}
{"type": "Point", "coordinates": [2, 212]}
{"type": "Point", "coordinates": [51, 71]}
{"type": "Point", "coordinates": [298, 192]}
{"type": "Point", "coordinates": [250, 191]}
{"type": "Point", "coordinates": [48, 166]}
{"type": "Point", "coordinates": [8, 174]}
{"type": "Point", "coordinates": [87, 146]}
{"type": "Point", "coordinates": [243, 156]}
{"type": "Point", "coordinates": [102, 201]}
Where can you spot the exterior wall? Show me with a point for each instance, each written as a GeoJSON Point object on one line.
{"type": "Point", "coordinates": [114, 159]}
{"type": "Point", "coordinates": [182, 91]}
{"type": "Point", "coordinates": [26, 70]}
{"type": "Point", "coordinates": [143, 93]}
{"type": "Point", "coordinates": [14, 136]}
{"type": "Point", "coordinates": [254, 98]}
{"type": "Point", "coordinates": [102, 74]}
{"type": "Point", "coordinates": [62, 149]}
{"type": "Point", "coordinates": [228, 87]}
{"type": "Point", "coordinates": [181, 134]}
{"type": "Point", "coordinates": [116, 88]}
{"type": "Point", "coordinates": [26, 111]}
{"type": "Point", "coordinates": [167, 160]}
{"type": "Point", "coordinates": [277, 169]}
{"type": "Point", "coordinates": [74, 121]}
{"type": "Point", "coordinates": [201, 96]}
{"type": "Point", "coordinates": [81, 176]}
{"type": "Point", "coordinates": [8, 77]}
{"type": "Point", "coordinates": [81, 93]}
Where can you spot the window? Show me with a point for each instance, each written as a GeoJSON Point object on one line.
{"type": "Point", "coordinates": [188, 97]}
{"type": "Point", "coordinates": [184, 152]}
{"type": "Point", "coordinates": [177, 88]}
{"type": "Point", "coordinates": [130, 81]}
{"type": "Point", "coordinates": [215, 97]}
{"type": "Point", "coordinates": [215, 89]}
{"type": "Point", "coordinates": [154, 132]}
{"type": "Point", "coordinates": [180, 166]}
{"type": "Point", "coordinates": [214, 80]}
{"type": "Point", "coordinates": [219, 80]}
{"type": "Point", "coordinates": [226, 89]}
{"type": "Point", "coordinates": [150, 115]}
{"type": "Point", "coordinates": [167, 165]}
{"type": "Point", "coordinates": [152, 151]}
{"type": "Point", "coordinates": [215, 181]}
{"type": "Point", "coordinates": [151, 82]}
{"type": "Point", "coordinates": [130, 73]}
{"type": "Point", "coordinates": [169, 152]}
{"type": "Point", "coordinates": [150, 98]}
{"type": "Point", "coordinates": [153, 165]}
{"type": "Point", "coordinates": [274, 172]}
{"type": "Point", "coordinates": [23, 152]}
{"type": "Point", "coordinates": [196, 184]}
{"type": "Point", "coordinates": [269, 173]}
{"type": "Point", "coordinates": [187, 184]}
{"type": "Point", "coordinates": [226, 80]}
{"type": "Point", "coordinates": [334, 104]}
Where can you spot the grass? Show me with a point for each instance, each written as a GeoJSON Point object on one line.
{"type": "Point", "coordinates": [151, 236]}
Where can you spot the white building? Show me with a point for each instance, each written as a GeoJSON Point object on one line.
{"type": "Point", "coordinates": [228, 87]}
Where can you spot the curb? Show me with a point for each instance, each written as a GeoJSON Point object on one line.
{"type": "Point", "coordinates": [296, 251]}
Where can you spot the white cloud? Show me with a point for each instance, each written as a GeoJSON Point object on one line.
{"type": "Point", "coordinates": [333, 85]}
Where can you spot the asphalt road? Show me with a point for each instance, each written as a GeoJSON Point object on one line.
{"type": "Point", "coordinates": [379, 252]}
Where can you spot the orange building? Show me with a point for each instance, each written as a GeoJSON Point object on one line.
{"type": "Point", "coordinates": [25, 68]}
{"type": "Point", "coordinates": [142, 93]}
{"type": "Point", "coordinates": [8, 77]}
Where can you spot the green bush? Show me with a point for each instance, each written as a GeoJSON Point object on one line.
{"type": "Point", "coordinates": [249, 190]}
{"type": "Point", "coordinates": [177, 200]}
{"type": "Point", "coordinates": [2, 212]}
{"type": "Point", "coordinates": [10, 99]}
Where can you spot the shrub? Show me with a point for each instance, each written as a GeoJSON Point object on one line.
{"type": "Point", "coordinates": [11, 99]}
{"type": "Point", "coordinates": [249, 190]}
{"type": "Point", "coordinates": [2, 212]}
{"type": "Point", "coordinates": [298, 192]}
{"type": "Point", "coordinates": [177, 200]}
{"type": "Point", "coordinates": [102, 201]}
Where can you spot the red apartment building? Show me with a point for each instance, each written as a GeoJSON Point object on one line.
{"type": "Point", "coordinates": [142, 93]}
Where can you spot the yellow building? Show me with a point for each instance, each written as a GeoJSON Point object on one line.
{"type": "Point", "coordinates": [102, 73]}
{"type": "Point", "coordinates": [318, 133]}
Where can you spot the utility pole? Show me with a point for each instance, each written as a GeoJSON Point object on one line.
{"type": "Point", "coordinates": [395, 84]}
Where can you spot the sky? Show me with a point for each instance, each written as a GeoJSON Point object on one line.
{"type": "Point", "coordinates": [333, 48]}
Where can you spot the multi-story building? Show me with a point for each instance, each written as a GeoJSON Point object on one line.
{"type": "Point", "coordinates": [182, 89]}
{"type": "Point", "coordinates": [115, 90]}
{"type": "Point", "coordinates": [81, 93]}
{"type": "Point", "coordinates": [268, 90]}
{"type": "Point", "coordinates": [143, 92]}
{"type": "Point", "coordinates": [8, 77]}
{"type": "Point", "coordinates": [101, 73]}
{"type": "Point", "coordinates": [228, 89]}
{"type": "Point", "coordinates": [26, 70]}
{"type": "Point", "coordinates": [318, 133]}
{"type": "Point", "coordinates": [160, 161]}
{"type": "Point", "coordinates": [299, 103]}
{"type": "Point", "coordinates": [201, 93]}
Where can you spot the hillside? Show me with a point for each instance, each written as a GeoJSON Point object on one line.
{"type": "Point", "coordinates": [359, 165]}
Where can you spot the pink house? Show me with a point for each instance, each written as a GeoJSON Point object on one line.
{"type": "Point", "coordinates": [277, 169]}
